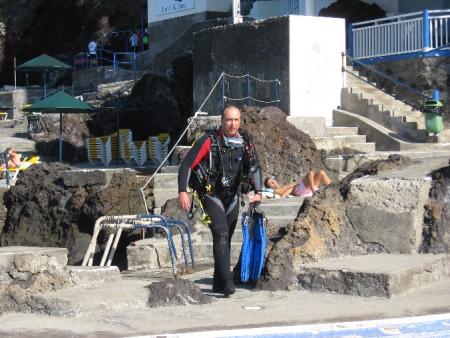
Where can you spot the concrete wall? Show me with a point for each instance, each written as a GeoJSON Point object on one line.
{"type": "Point", "coordinates": [315, 65]}
{"type": "Point", "coordinates": [258, 48]}
{"type": "Point", "coordinates": [12, 101]}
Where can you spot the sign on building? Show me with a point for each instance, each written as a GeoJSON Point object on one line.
{"type": "Point", "coordinates": [165, 7]}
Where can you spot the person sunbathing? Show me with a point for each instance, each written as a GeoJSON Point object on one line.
{"type": "Point", "coordinates": [305, 188]}
{"type": "Point", "coordinates": [14, 158]}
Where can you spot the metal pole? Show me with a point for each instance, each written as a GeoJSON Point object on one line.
{"type": "Point", "coordinates": [114, 61]}
{"type": "Point", "coordinates": [426, 30]}
{"type": "Point", "coordinates": [249, 93]}
{"type": "Point", "coordinates": [134, 66]}
{"type": "Point", "coordinates": [45, 84]}
{"type": "Point", "coordinates": [223, 93]}
{"type": "Point", "coordinates": [60, 137]}
{"type": "Point", "coordinates": [276, 92]}
{"type": "Point", "coordinates": [350, 39]}
{"type": "Point", "coordinates": [15, 74]}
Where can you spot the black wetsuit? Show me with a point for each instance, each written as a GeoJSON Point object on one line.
{"type": "Point", "coordinates": [222, 202]}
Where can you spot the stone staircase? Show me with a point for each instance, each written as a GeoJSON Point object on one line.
{"type": "Point", "coordinates": [13, 133]}
{"type": "Point", "coordinates": [330, 138]}
{"type": "Point", "coordinates": [365, 99]}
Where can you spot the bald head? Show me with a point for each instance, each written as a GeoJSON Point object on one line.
{"type": "Point", "coordinates": [231, 121]}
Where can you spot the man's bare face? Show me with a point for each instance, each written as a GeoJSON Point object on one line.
{"type": "Point", "coordinates": [231, 121]}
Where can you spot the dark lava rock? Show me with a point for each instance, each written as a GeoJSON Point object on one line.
{"type": "Point", "coordinates": [75, 131]}
{"type": "Point", "coordinates": [436, 227]}
{"type": "Point", "coordinates": [177, 291]}
{"type": "Point", "coordinates": [43, 212]}
{"type": "Point", "coordinates": [394, 161]}
{"type": "Point", "coordinates": [152, 108]}
{"type": "Point", "coordinates": [353, 11]}
{"type": "Point", "coordinates": [320, 230]}
{"type": "Point", "coordinates": [283, 150]}
{"type": "Point", "coordinates": [61, 28]}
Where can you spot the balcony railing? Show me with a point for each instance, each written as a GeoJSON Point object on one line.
{"type": "Point", "coordinates": [402, 34]}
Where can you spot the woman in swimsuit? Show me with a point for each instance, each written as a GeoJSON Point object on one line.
{"type": "Point", "coordinates": [304, 188]}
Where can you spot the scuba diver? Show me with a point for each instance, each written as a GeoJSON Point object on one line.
{"type": "Point", "coordinates": [220, 166]}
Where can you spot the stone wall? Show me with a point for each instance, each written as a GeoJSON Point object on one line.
{"type": "Point", "coordinates": [162, 34]}
{"type": "Point", "coordinates": [258, 48]}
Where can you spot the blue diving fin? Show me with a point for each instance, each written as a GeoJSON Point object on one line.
{"type": "Point", "coordinates": [259, 246]}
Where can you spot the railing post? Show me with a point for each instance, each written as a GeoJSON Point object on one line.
{"type": "Point", "coordinates": [276, 92]}
{"type": "Point", "coordinates": [426, 30]}
{"type": "Point", "coordinates": [249, 92]}
{"type": "Point", "coordinates": [223, 92]}
{"type": "Point", "coordinates": [114, 61]}
{"type": "Point", "coordinates": [134, 66]}
{"type": "Point", "coordinates": [350, 39]}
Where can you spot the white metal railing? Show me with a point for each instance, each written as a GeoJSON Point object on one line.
{"type": "Point", "coordinates": [290, 7]}
{"type": "Point", "coordinates": [409, 33]}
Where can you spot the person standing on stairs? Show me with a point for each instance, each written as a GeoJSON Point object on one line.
{"type": "Point", "coordinates": [217, 167]}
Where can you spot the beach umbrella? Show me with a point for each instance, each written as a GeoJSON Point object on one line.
{"type": "Point", "coordinates": [43, 63]}
{"type": "Point", "coordinates": [61, 103]}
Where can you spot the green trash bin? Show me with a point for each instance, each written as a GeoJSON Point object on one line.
{"type": "Point", "coordinates": [433, 111]}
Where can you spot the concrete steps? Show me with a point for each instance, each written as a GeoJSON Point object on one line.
{"type": "Point", "coordinates": [330, 138]}
{"type": "Point", "coordinates": [371, 102]}
{"type": "Point", "coordinates": [383, 275]}
{"type": "Point", "coordinates": [355, 142]}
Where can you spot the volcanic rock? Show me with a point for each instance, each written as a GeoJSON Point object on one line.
{"type": "Point", "coordinates": [436, 227]}
{"type": "Point", "coordinates": [62, 28]}
{"type": "Point", "coordinates": [320, 230]}
{"type": "Point", "coordinates": [42, 211]}
{"type": "Point", "coordinates": [152, 108]}
{"type": "Point", "coordinates": [75, 130]}
{"type": "Point", "coordinates": [171, 291]}
{"type": "Point", "coordinates": [25, 271]}
{"type": "Point", "coordinates": [353, 11]}
{"type": "Point", "coordinates": [283, 150]}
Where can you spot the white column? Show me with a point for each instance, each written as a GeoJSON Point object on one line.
{"type": "Point", "coordinates": [310, 8]}
{"type": "Point", "coordinates": [237, 17]}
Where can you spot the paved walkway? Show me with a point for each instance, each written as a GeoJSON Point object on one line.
{"type": "Point", "coordinates": [245, 309]}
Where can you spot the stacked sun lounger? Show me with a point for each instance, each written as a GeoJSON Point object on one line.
{"type": "Point", "coordinates": [121, 146]}
{"type": "Point", "coordinates": [158, 147]}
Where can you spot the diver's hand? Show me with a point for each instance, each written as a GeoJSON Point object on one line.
{"type": "Point", "coordinates": [257, 198]}
{"type": "Point", "coordinates": [184, 201]}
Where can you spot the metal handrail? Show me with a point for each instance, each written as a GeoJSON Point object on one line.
{"type": "Point", "coordinates": [111, 57]}
{"type": "Point", "coordinates": [413, 91]}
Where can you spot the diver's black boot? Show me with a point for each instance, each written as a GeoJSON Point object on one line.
{"type": "Point", "coordinates": [226, 288]}
{"type": "Point", "coordinates": [229, 288]}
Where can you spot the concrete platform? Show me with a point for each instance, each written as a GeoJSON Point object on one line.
{"type": "Point", "coordinates": [120, 311]}
{"type": "Point", "coordinates": [88, 276]}
{"type": "Point", "coordinates": [31, 259]}
{"type": "Point", "coordinates": [380, 275]}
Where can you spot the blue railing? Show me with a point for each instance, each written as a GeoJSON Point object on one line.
{"type": "Point", "coordinates": [106, 57]}
{"type": "Point", "coordinates": [398, 35]}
